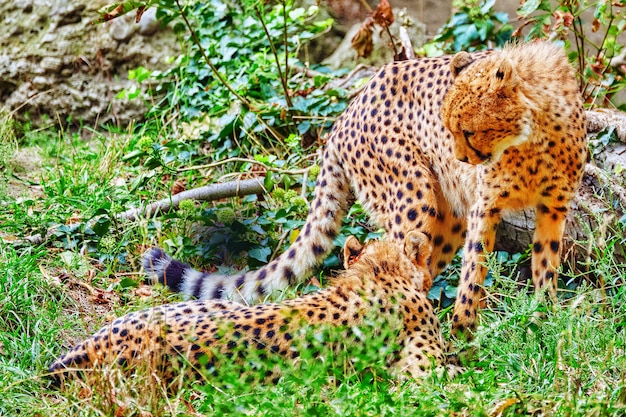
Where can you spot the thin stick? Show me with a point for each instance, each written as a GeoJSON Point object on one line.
{"type": "Point", "coordinates": [247, 160]}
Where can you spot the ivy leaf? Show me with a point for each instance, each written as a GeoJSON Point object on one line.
{"type": "Point", "coordinates": [260, 254]}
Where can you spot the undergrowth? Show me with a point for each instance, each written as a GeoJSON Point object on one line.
{"type": "Point", "coordinates": [531, 358]}
{"type": "Point", "coordinates": [68, 264]}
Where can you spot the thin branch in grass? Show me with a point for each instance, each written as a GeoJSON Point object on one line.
{"type": "Point", "coordinates": [212, 192]}
{"type": "Point", "coordinates": [247, 160]}
{"type": "Point", "coordinates": [285, 41]}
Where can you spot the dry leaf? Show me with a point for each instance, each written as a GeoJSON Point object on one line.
{"type": "Point", "coordinates": [118, 11]}
{"type": "Point", "coordinates": [362, 40]}
{"type": "Point", "coordinates": [315, 282]}
{"type": "Point", "coordinates": [121, 411]}
{"type": "Point", "coordinates": [74, 218]}
{"type": "Point", "coordinates": [293, 235]}
{"type": "Point", "coordinates": [178, 187]}
{"type": "Point", "coordinates": [518, 32]}
{"type": "Point", "coordinates": [598, 67]}
{"type": "Point", "coordinates": [52, 279]}
{"type": "Point", "coordinates": [563, 18]}
{"type": "Point", "coordinates": [595, 25]}
{"type": "Point", "coordinates": [502, 406]}
{"type": "Point", "coordinates": [85, 392]}
{"type": "Point", "coordinates": [383, 15]}
{"type": "Point", "coordinates": [143, 291]}
{"type": "Point", "coordinates": [401, 56]}
{"type": "Point", "coordinates": [101, 297]}
{"type": "Point", "coordinates": [139, 13]}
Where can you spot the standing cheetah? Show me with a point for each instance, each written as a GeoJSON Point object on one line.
{"type": "Point", "coordinates": [382, 287]}
{"type": "Point", "coordinates": [444, 146]}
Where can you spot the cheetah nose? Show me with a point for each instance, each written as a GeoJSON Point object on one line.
{"type": "Point", "coordinates": [465, 159]}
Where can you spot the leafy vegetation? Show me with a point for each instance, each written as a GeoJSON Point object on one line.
{"type": "Point", "coordinates": [589, 31]}
{"type": "Point", "coordinates": [599, 64]}
{"type": "Point", "coordinates": [475, 25]}
{"type": "Point", "coordinates": [241, 100]}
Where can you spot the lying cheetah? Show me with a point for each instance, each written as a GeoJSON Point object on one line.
{"type": "Point", "coordinates": [444, 146]}
{"type": "Point", "coordinates": [380, 280]}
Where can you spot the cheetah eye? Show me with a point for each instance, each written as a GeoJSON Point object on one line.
{"type": "Point", "coordinates": [467, 134]}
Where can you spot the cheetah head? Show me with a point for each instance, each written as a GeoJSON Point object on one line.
{"type": "Point", "coordinates": [412, 261]}
{"type": "Point", "coordinates": [484, 109]}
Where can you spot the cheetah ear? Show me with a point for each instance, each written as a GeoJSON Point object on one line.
{"type": "Point", "coordinates": [504, 76]}
{"type": "Point", "coordinates": [351, 251]}
{"type": "Point", "coordinates": [417, 248]}
{"type": "Point", "coordinates": [459, 62]}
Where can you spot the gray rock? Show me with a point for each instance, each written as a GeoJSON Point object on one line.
{"type": "Point", "coordinates": [55, 63]}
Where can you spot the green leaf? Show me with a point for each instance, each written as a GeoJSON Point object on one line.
{"type": "Point", "coordinates": [502, 256]}
{"type": "Point", "coordinates": [133, 154]}
{"type": "Point", "coordinates": [269, 181]}
{"type": "Point", "coordinates": [606, 135]}
{"type": "Point", "coordinates": [101, 226]}
{"type": "Point", "coordinates": [485, 27]}
{"type": "Point", "coordinates": [465, 35]}
{"type": "Point", "coordinates": [260, 254]}
{"type": "Point", "coordinates": [502, 17]}
{"type": "Point", "coordinates": [128, 283]}
{"type": "Point", "coordinates": [529, 7]}
{"type": "Point", "coordinates": [450, 291]}
{"type": "Point", "coordinates": [487, 6]}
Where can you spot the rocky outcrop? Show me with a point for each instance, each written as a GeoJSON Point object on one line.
{"type": "Point", "coordinates": [56, 65]}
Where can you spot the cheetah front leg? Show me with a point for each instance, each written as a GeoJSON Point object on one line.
{"type": "Point", "coordinates": [546, 258]}
{"type": "Point", "coordinates": [481, 234]}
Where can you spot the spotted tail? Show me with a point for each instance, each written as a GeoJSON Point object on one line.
{"type": "Point", "coordinates": [329, 206]}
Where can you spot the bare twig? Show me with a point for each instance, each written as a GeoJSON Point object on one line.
{"type": "Point", "coordinates": [406, 43]}
{"type": "Point", "coordinates": [251, 161]}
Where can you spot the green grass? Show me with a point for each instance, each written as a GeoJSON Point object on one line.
{"type": "Point", "coordinates": [529, 358]}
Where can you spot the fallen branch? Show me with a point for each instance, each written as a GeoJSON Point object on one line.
{"type": "Point", "coordinates": [599, 119]}
{"type": "Point", "coordinates": [207, 193]}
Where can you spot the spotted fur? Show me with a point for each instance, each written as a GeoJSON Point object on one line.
{"type": "Point", "coordinates": [444, 146]}
{"type": "Point", "coordinates": [383, 286]}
